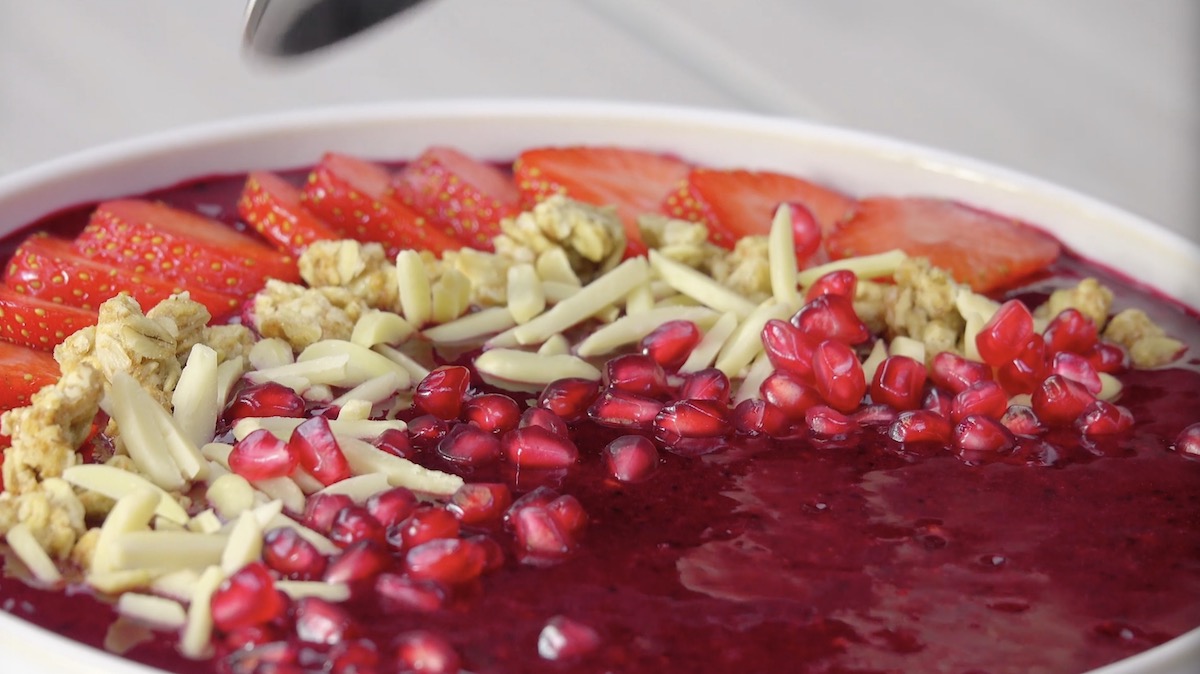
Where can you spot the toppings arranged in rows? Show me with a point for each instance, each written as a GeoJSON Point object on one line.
{"type": "Point", "coordinates": [412, 341]}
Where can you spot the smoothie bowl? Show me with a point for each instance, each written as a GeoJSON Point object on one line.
{"type": "Point", "coordinates": [512, 387]}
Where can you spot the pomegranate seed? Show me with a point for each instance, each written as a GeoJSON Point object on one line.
{"type": "Point", "coordinates": [1023, 373]}
{"type": "Point", "coordinates": [841, 282]}
{"type": "Point", "coordinates": [569, 398]}
{"type": "Point", "coordinates": [786, 391]}
{"type": "Point", "coordinates": [259, 657]}
{"type": "Point", "coordinates": [920, 426]}
{"type": "Point", "coordinates": [899, 382]}
{"type": "Point", "coordinates": [976, 433]}
{"type": "Point", "coordinates": [289, 554]}
{"type": "Point", "coordinates": [401, 593]}
{"type": "Point", "coordinates": [1059, 401]}
{"type": "Point", "coordinates": [1107, 357]}
{"type": "Point", "coordinates": [425, 652]}
{"type": "Point", "coordinates": [831, 317]}
{"type": "Point", "coordinates": [539, 535]}
{"type": "Point", "coordinates": [426, 430]}
{"type": "Point", "coordinates": [757, 417]}
{"type": "Point", "coordinates": [874, 415]}
{"type": "Point", "coordinates": [826, 422]}
{"type": "Point", "coordinates": [619, 409]}
{"type": "Point", "coordinates": [1104, 418]}
{"type": "Point", "coordinates": [469, 445]}
{"type": "Point", "coordinates": [480, 502]}
{"type": "Point", "coordinates": [954, 373]}
{"type": "Point", "coordinates": [318, 451]}
{"type": "Point", "coordinates": [1188, 441]}
{"type": "Point", "coordinates": [636, 373]}
{"type": "Point", "coordinates": [1071, 332]}
{"type": "Point", "coordinates": [684, 419]}
{"type": "Point", "coordinates": [806, 231]}
{"type": "Point", "coordinates": [396, 442]}
{"type": "Point", "coordinates": [838, 375]}
{"type": "Point", "coordinates": [631, 458]}
{"type": "Point", "coordinates": [568, 512]}
{"type": "Point", "coordinates": [442, 391]}
{"type": "Point", "coordinates": [1005, 334]}
{"type": "Point", "coordinates": [353, 524]}
{"type": "Point", "coordinates": [566, 639]}
{"type": "Point", "coordinates": [986, 398]}
{"type": "Point", "coordinates": [671, 343]}
{"type": "Point", "coordinates": [392, 505]}
{"type": "Point", "coordinates": [269, 635]}
{"type": "Point", "coordinates": [1020, 420]}
{"type": "Point", "coordinates": [360, 562]}
{"type": "Point", "coordinates": [425, 524]}
{"type": "Point", "coordinates": [354, 656]}
{"type": "Point", "coordinates": [446, 560]}
{"type": "Point", "coordinates": [260, 456]}
{"type": "Point", "coordinates": [787, 348]}
{"type": "Point", "coordinates": [321, 509]}
{"type": "Point", "coordinates": [536, 447]}
{"type": "Point", "coordinates": [537, 416]}
{"type": "Point", "coordinates": [493, 554]}
{"type": "Point", "coordinates": [269, 399]}
{"type": "Point", "coordinates": [322, 622]}
{"type": "Point", "coordinates": [707, 384]}
{"type": "Point", "coordinates": [247, 598]}
{"type": "Point", "coordinates": [938, 401]}
{"type": "Point", "coordinates": [1076, 368]}
{"type": "Point", "coordinates": [493, 412]}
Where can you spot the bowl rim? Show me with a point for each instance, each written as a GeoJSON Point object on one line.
{"type": "Point", "coordinates": [29, 194]}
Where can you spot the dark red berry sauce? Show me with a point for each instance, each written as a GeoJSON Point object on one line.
{"type": "Point", "coordinates": [849, 556]}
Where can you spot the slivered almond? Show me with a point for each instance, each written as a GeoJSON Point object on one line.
{"type": "Point", "coordinates": [116, 484]}
{"type": "Point", "coordinates": [297, 589]}
{"type": "Point", "coordinates": [471, 327]}
{"type": "Point", "coordinates": [362, 363]}
{"type": "Point", "coordinates": [967, 302]}
{"type": "Point", "coordinates": [1110, 387]}
{"type": "Point", "coordinates": [205, 522]}
{"type": "Point", "coordinates": [166, 550]}
{"type": "Point", "coordinates": [228, 374]}
{"type": "Point", "coordinates": [554, 266]}
{"type": "Point", "coordinates": [524, 292]}
{"type": "Point", "coordinates": [354, 410]}
{"type": "Point", "coordinates": [194, 400]}
{"type": "Point", "coordinates": [282, 427]}
{"type": "Point", "coordinates": [360, 487]}
{"type": "Point", "coordinates": [299, 376]}
{"type": "Point", "coordinates": [380, 327]}
{"type": "Point", "coordinates": [416, 371]}
{"type": "Point", "coordinates": [373, 390]}
{"type": "Point", "coordinates": [32, 554]}
{"type": "Point", "coordinates": [158, 612]}
{"type": "Point", "coordinates": [759, 370]}
{"type": "Point", "coordinates": [745, 343]}
{"type": "Point", "coordinates": [196, 637]}
{"type": "Point", "coordinates": [907, 346]}
{"type": "Point", "coordinates": [265, 513]}
{"type": "Point", "coordinates": [307, 483]}
{"type": "Point", "coordinates": [218, 452]}
{"type": "Point", "coordinates": [874, 266]}
{"type": "Point", "coordinates": [639, 300]}
{"type": "Point", "coordinates": [610, 288]}
{"type": "Point", "coordinates": [555, 346]}
{"type": "Point", "coordinates": [451, 295]}
{"type": "Point", "coordinates": [116, 582]}
{"type": "Point", "coordinates": [416, 301]}
{"type": "Point", "coordinates": [271, 352]}
{"type": "Point", "coordinates": [183, 452]}
{"type": "Point", "coordinates": [244, 545]}
{"type": "Point", "coordinates": [128, 403]}
{"type": "Point", "coordinates": [366, 458]}
{"type": "Point", "coordinates": [322, 544]}
{"type": "Point", "coordinates": [230, 495]}
{"type": "Point", "coordinates": [879, 352]}
{"type": "Point", "coordinates": [781, 258]}
{"type": "Point", "coordinates": [177, 585]}
{"type": "Point", "coordinates": [318, 393]}
{"type": "Point", "coordinates": [531, 371]}
{"type": "Point", "coordinates": [555, 291]}
{"type": "Point", "coordinates": [700, 286]}
{"type": "Point", "coordinates": [631, 328]}
{"type": "Point", "coordinates": [710, 344]}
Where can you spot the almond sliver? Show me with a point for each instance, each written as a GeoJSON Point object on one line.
{"type": "Point", "coordinates": [609, 288]}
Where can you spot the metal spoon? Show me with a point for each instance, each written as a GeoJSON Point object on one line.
{"type": "Point", "coordinates": [287, 28]}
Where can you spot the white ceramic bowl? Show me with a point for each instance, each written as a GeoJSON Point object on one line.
{"type": "Point", "coordinates": [854, 162]}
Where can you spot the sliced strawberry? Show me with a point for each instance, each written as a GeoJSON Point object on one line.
{"type": "Point", "coordinates": [48, 268]}
{"type": "Point", "coordinates": [355, 197]}
{"type": "Point", "coordinates": [23, 372]}
{"type": "Point", "coordinates": [154, 238]}
{"type": "Point", "coordinates": [38, 323]}
{"type": "Point", "coordinates": [272, 207]}
{"type": "Point", "coordinates": [734, 203]}
{"type": "Point", "coordinates": [982, 249]}
{"type": "Point", "coordinates": [451, 188]}
{"type": "Point", "coordinates": [635, 181]}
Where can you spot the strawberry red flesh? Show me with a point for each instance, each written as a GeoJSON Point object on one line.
{"type": "Point", "coordinates": [23, 372]}
{"type": "Point", "coordinates": [38, 323]}
{"type": "Point", "coordinates": [272, 207]}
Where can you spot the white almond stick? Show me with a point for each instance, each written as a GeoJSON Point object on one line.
{"type": "Point", "coordinates": [1110, 387]}
{"type": "Point", "coordinates": [298, 589]}
{"type": "Point", "coordinates": [507, 367]}
{"type": "Point", "coordinates": [299, 376]}
{"type": "Point", "coordinates": [879, 353]}
{"type": "Point", "coordinates": [116, 582]}
{"type": "Point", "coordinates": [181, 449]}
{"type": "Point", "coordinates": [230, 495]}
{"type": "Point", "coordinates": [194, 400]}
{"type": "Point", "coordinates": [639, 300]}
{"type": "Point", "coordinates": [879, 265]}
{"type": "Point", "coordinates": [699, 286]}
{"type": "Point", "coordinates": [360, 487]}
{"type": "Point", "coordinates": [781, 258]}
{"type": "Point", "coordinates": [270, 352]}
{"type": "Point", "coordinates": [32, 555]}
{"type": "Point", "coordinates": [282, 489]}
{"type": "Point", "coordinates": [322, 544]}
{"type": "Point", "coordinates": [746, 342]}
{"type": "Point", "coordinates": [416, 371]}
{"type": "Point", "coordinates": [451, 295]}
{"type": "Point", "coordinates": [557, 345]}
{"type": "Point", "coordinates": [907, 346]}
{"type": "Point", "coordinates": [244, 545]}
{"type": "Point", "coordinates": [282, 427]}
{"type": "Point", "coordinates": [380, 327]}
{"type": "Point", "coordinates": [556, 292]}
{"type": "Point", "coordinates": [472, 327]}
{"type": "Point", "coordinates": [554, 266]}
{"type": "Point", "coordinates": [525, 297]}
{"type": "Point", "coordinates": [710, 344]}
{"type": "Point", "coordinates": [177, 585]}
{"type": "Point", "coordinates": [373, 390]}
{"type": "Point", "coordinates": [196, 637]}
{"type": "Point", "coordinates": [143, 439]}
{"type": "Point", "coordinates": [416, 301]}
{"type": "Point", "coordinates": [266, 513]}
{"type": "Point", "coordinates": [354, 410]}
{"type": "Point", "coordinates": [205, 522]}
{"type": "Point", "coordinates": [166, 550]}
{"type": "Point", "coordinates": [117, 484]}
{"type": "Point", "coordinates": [362, 363]}
{"type": "Point", "coordinates": [631, 328]}
{"type": "Point", "coordinates": [155, 612]}
{"type": "Point", "coordinates": [611, 288]}
{"type": "Point", "coordinates": [228, 374]}
{"type": "Point", "coordinates": [755, 376]}
{"type": "Point", "coordinates": [217, 452]}
{"type": "Point", "coordinates": [365, 458]}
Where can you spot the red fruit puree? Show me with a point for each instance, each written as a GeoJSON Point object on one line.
{"type": "Point", "coordinates": [847, 556]}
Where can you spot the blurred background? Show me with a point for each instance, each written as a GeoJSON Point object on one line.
{"type": "Point", "coordinates": [1102, 96]}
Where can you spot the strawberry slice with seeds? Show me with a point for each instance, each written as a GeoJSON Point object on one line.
{"type": "Point", "coordinates": [37, 323]}
{"type": "Point", "coordinates": [635, 181]}
{"type": "Point", "coordinates": [355, 197]}
{"type": "Point", "coordinates": [149, 237]}
{"type": "Point", "coordinates": [23, 372]}
{"type": "Point", "coordinates": [453, 189]}
{"type": "Point", "coordinates": [736, 203]}
{"type": "Point", "coordinates": [272, 207]}
{"type": "Point", "coordinates": [48, 268]}
{"type": "Point", "coordinates": [985, 250]}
